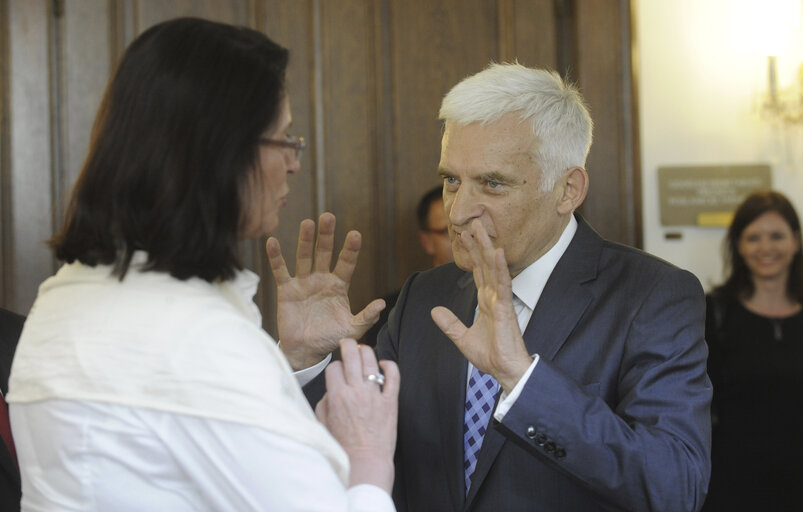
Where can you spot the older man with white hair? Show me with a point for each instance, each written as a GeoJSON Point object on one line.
{"type": "Point", "coordinates": [546, 369]}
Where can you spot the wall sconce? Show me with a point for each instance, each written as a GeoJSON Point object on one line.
{"type": "Point", "coordinates": [783, 104]}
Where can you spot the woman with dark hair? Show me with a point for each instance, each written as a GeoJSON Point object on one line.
{"type": "Point", "coordinates": [754, 329]}
{"type": "Point", "coordinates": [143, 379]}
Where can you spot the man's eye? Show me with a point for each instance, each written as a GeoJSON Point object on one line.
{"type": "Point", "coordinates": [450, 180]}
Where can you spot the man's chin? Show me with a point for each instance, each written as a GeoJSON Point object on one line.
{"type": "Point", "coordinates": [464, 262]}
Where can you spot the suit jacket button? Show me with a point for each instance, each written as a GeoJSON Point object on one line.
{"type": "Point", "coordinates": [540, 439]}
{"type": "Point", "coordinates": [530, 432]}
{"type": "Point", "coordinates": [560, 453]}
{"type": "Point", "coordinates": [549, 447]}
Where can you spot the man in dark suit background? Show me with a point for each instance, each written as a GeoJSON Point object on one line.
{"type": "Point", "coordinates": [603, 402]}
{"type": "Point", "coordinates": [433, 235]}
{"type": "Point", "coordinates": [10, 329]}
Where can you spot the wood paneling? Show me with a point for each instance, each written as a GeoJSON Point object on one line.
{"type": "Point", "coordinates": [604, 74]}
{"type": "Point", "coordinates": [350, 131]}
{"type": "Point", "coordinates": [84, 63]}
{"type": "Point", "coordinates": [366, 79]}
{"type": "Point", "coordinates": [32, 151]}
{"type": "Point", "coordinates": [424, 69]}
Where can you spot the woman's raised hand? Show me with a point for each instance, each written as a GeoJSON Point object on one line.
{"type": "Point", "coordinates": [313, 307]}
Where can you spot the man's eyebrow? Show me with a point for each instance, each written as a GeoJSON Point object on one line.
{"type": "Point", "coordinates": [498, 177]}
{"type": "Point", "coordinates": [444, 173]}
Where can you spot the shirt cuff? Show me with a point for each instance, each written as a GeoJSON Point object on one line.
{"type": "Point", "coordinates": [369, 498]}
{"type": "Point", "coordinates": [506, 401]}
{"type": "Point", "coordinates": [307, 374]}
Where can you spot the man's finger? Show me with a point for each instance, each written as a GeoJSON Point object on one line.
{"type": "Point", "coordinates": [321, 411]}
{"type": "Point", "coordinates": [449, 324]}
{"type": "Point", "coordinates": [504, 285]}
{"type": "Point", "coordinates": [467, 238]}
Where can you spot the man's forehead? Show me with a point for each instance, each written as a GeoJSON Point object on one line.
{"type": "Point", "coordinates": [510, 162]}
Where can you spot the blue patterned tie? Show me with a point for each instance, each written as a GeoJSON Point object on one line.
{"type": "Point", "coordinates": [479, 404]}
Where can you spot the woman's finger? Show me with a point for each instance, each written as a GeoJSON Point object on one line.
{"type": "Point", "coordinates": [306, 237]}
{"type": "Point", "coordinates": [333, 375]}
{"type": "Point", "coordinates": [277, 264]}
{"type": "Point", "coordinates": [352, 362]}
{"type": "Point", "coordinates": [369, 366]}
{"type": "Point", "coordinates": [347, 259]}
{"type": "Point", "coordinates": [392, 378]}
{"type": "Point", "coordinates": [321, 411]}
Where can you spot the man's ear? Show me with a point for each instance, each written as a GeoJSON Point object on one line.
{"type": "Point", "coordinates": [426, 242]}
{"type": "Point", "coordinates": [575, 188]}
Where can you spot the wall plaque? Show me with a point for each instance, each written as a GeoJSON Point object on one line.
{"type": "Point", "coordinates": [707, 195]}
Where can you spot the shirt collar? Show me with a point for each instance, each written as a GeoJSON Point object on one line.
{"type": "Point", "coordinates": [529, 284]}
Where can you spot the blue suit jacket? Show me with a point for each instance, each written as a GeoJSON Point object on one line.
{"type": "Point", "coordinates": [614, 416]}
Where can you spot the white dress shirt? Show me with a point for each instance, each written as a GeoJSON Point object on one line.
{"type": "Point", "coordinates": [159, 394]}
{"type": "Point", "coordinates": [527, 289]}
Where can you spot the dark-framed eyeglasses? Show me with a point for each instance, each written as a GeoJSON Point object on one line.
{"type": "Point", "coordinates": [296, 143]}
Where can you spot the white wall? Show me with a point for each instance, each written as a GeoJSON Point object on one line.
{"type": "Point", "coordinates": [701, 71]}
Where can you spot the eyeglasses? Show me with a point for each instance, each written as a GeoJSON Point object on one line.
{"type": "Point", "coordinates": [297, 143]}
{"type": "Point", "coordinates": [442, 231]}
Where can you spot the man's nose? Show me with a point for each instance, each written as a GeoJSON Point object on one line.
{"type": "Point", "coordinates": [464, 207]}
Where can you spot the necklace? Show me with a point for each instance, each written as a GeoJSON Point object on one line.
{"type": "Point", "coordinates": [777, 328]}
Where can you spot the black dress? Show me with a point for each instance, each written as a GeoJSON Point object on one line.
{"type": "Point", "coordinates": [756, 367]}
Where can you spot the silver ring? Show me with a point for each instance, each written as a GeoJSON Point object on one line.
{"type": "Point", "coordinates": [374, 377]}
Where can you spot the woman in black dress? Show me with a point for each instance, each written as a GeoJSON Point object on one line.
{"type": "Point", "coordinates": [754, 328]}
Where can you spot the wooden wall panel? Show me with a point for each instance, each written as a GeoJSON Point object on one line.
{"type": "Point", "coordinates": [85, 59]}
{"type": "Point", "coordinates": [30, 160]}
{"type": "Point", "coordinates": [349, 100]}
{"type": "Point", "coordinates": [461, 39]}
{"type": "Point", "coordinates": [151, 12]}
{"type": "Point", "coordinates": [5, 168]}
{"type": "Point", "coordinates": [292, 24]}
{"type": "Point", "coordinates": [535, 34]}
{"type": "Point", "coordinates": [604, 74]}
{"type": "Point", "coordinates": [366, 80]}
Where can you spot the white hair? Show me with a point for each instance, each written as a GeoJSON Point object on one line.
{"type": "Point", "coordinates": [560, 120]}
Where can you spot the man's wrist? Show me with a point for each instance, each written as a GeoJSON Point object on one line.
{"type": "Point", "coordinates": [509, 379]}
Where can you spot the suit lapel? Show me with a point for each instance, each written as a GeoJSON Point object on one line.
{"type": "Point", "coordinates": [451, 388]}
{"type": "Point", "coordinates": [564, 299]}
{"type": "Point", "coordinates": [562, 303]}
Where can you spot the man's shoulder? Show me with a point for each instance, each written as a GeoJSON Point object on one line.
{"type": "Point", "coordinates": [437, 285]}
{"type": "Point", "coordinates": [448, 275]}
{"type": "Point", "coordinates": [628, 263]}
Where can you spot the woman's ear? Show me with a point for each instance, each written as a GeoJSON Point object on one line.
{"type": "Point", "coordinates": [575, 188]}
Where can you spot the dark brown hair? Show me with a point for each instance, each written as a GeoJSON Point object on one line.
{"type": "Point", "coordinates": [174, 143]}
{"type": "Point", "coordinates": [739, 283]}
{"type": "Point", "coordinates": [422, 212]}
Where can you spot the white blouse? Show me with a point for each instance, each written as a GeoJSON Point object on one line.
{"type": "Point", "coordinates": [153, 393]}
